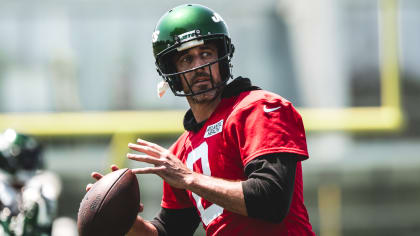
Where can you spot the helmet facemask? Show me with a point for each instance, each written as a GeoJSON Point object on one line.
{"type": "Point", "coordinates": [166, 66]}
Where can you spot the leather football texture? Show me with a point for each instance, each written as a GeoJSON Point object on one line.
{"type": "Point", "coordinates": [111, 206]}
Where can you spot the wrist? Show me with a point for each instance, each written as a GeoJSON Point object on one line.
{"type": "Point", "coordinates": [191, 180]}
{"type": "Point", "coordinates": [142, 227]}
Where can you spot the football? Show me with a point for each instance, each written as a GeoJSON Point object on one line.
{"type": "Point", "coordinates": [110, 207]}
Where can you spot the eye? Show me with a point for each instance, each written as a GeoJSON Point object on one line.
{"type": "Point", "coordinates": [206, 54]}
{"type": "Point", "coordinates": [187, 59]}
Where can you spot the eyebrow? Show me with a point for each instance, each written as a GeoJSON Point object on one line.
{"type": "Point", "coordinates": [182, 53]}
{"type": "Point", "coordinates": [205, 47]}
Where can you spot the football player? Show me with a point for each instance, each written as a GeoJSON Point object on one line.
{"type": "Point", "coordinates": [237, 167]}
{"type": "Point", "coordinates": [28, 192]}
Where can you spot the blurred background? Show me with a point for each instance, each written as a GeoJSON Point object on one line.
{"type": "Point", "coordinates": [80, 77]}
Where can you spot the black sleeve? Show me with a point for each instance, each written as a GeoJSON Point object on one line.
{"type": "Point", "coordinates": [176, 221]}
{"type": "Point", "coordinates": [268, 190]}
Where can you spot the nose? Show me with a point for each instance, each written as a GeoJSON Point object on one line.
{"type": "Point", "coordinates": [199, 62]}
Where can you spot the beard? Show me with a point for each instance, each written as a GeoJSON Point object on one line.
{"type": "Point", "coordinates": [203, 81]}
{"type": "Point", "coordinates": [206, 97]}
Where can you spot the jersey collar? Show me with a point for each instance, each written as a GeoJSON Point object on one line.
{"type": "Point", "coordinates": [234, 88]}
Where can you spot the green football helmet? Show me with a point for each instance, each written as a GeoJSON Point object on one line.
{"type": "Point", "coordinates": [19, 152]}
{"type": "Point", "coordinates": [184, 27]}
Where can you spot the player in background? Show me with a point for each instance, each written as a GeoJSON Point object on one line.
{"type": "Point", "coordinates": [28, 192]}
{"type": "Point", "coordinates": [237, 167]}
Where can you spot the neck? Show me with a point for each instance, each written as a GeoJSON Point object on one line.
{"type": "Point", "coordinates": [202, 111]}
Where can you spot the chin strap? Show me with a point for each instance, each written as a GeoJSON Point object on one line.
{"type": "Point", "coordinates": [161, 88]}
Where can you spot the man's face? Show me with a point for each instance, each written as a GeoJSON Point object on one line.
{"type": "Point", "coordinates": [200, 79]}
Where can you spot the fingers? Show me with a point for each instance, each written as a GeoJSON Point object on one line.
{"type": "Point", "coordinates": [154, 155]}
{"type": "Point", "coordinates": [148, 170]}
{"type": "Point", "coordinates": [150, 144]}
{"type": "Point", "coordinates": [147, 147]}
{"type": "Point", "coordinates": [88, 187]}
{"type": "Point", "coordinates": [144, 149]}
{"type": "Point", "coordinates": [114, 168]}
{"type": "Point", "coordinates": [144, 158]}
{"type": "Point", "coordinates": [141, 207]}
{"type": "Point", "coordinates": [99, 176]}
{"type": "Point", "coordinates": [96, 175]}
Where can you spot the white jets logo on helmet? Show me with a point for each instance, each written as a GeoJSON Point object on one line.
{"type": "Point", "coordinates": [155, 36]}
{"type": "Point", "coordinates": [216, 17]}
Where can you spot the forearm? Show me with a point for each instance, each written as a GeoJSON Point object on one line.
{"type": "Point", "coordinates": [269, 188]}
{"type": "Point", "coordinates": [176, 221]}
{"type": "Point", "coordinates": [142, 227]}
{"type": "Point", "coordinates": [225, 193]}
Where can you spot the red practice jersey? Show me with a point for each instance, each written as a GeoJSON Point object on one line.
{"type": "Point", "coordinates": [243, 127]}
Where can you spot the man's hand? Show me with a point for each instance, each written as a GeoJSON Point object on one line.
{"type": "Point", "coordinates": [166, 165]}
{"type": "Point", "coordinates": [98, 176]}
{"type": "Point", "coordinates": [225, 193]}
